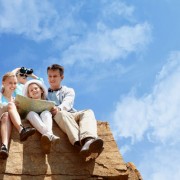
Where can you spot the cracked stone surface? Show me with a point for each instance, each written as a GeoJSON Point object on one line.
{"type": "Point", "coordinates": [27, 161]}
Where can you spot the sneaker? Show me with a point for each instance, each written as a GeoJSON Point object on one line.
{"type": "Point", "coordinates": [26, 132]}
{"type": "Point", "coordinates": [77, 145]}
{"type": "Point", "coordinates": [46, 143]}
{"type": "Point", "coordinates": [3, 152]}
{"type": "Point", "coordinates": [93, 145]}
{"type": "Point", "coordinates": [55, 139]}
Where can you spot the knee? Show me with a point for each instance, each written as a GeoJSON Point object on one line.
{"type": "Point", "coordinates": [61, 116]}
{"type": "Point", "coordinates": [5, 117]}
{"type": "Point", "coordinates": [89, 112]}
{"type": "Point", "coordinates": [46, 114]}
{"type": "Point", "coordinates": [11, 106]}
{"type": "Point", "coordinates": [31, 114]}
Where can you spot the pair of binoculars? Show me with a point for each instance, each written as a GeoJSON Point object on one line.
{"type": "Point", "coordinates": [24, 70]}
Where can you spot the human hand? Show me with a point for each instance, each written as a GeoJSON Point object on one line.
{"type": "Point", "coordinates": [17, 104]}
{"type": "Point", "coordinates": [54, 110]}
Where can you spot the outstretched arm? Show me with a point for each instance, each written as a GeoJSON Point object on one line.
{"type": "Point", "coordinates": [16, 70]}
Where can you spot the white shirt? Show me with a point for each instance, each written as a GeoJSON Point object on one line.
{"type": "Point", "coordinates": [63, 98]}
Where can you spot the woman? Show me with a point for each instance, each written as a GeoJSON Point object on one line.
{"type": "Point", "coordinates": [9, 114]}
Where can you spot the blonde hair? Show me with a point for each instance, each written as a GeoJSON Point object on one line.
{"type": "Point", "coordinates": [7, 75]}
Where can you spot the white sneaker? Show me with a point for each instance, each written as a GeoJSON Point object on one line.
{"type": "Point", "coordinates": [46, 143]}
{"type": "Point", "coordinates": [55, 139]}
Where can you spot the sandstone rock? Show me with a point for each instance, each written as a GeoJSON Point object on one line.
{"type": "Point", "coordinates": [27, 161]}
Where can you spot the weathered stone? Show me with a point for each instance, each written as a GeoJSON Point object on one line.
{"type": "Point", "coordinates": [27, 161]}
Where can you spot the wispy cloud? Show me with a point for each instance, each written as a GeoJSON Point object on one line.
{"type": "Point", "coordinates": [155, 117]}
{"type": "Point", "coordinates": [161, 162]}
{"type": "Point", "coordinates": [117, 9]}
{"type": "Point", "coordinates": [157, 112]}
{"type": "Point", "coordinates": [42, 21]}
{"type": "Point", "coordinates": [107, 45]}
{"type": "Point", "coordinates": [32, 19]}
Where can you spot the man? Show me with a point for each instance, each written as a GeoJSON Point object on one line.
{"type": "Point", "coordinates": [80, 126]}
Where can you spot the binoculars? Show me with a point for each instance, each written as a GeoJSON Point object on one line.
{"type": "Point", "coordinates": [24, 70]}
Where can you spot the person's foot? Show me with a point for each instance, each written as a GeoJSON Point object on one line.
{"type": "Point", "coordinates": [26, 132]}
{"type": "Point", "coordinates": [92, 146]}
{"type": "Point", "coordinates": [3, 152]}
{"type": "Point", "coordinates": [46, 143]}
{"type": "Point", "coordinates": [55, 142]}
{"type": "Point", "coordinates": [55, 139]}
{"type": "Point", "coordinates": [77, 145]}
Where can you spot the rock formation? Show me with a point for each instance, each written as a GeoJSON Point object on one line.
{"type": "Point", "coordinates": [26, 160]}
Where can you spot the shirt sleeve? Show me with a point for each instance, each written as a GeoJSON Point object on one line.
{"type": "Point", "coordinates": [67, 99]}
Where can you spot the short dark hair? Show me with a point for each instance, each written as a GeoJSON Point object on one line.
{"type": "Point", "coordinates": [56, 67]}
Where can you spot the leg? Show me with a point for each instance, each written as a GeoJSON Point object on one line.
{"type": "Point", "coordinates": [87, 124]}
{"type": "Point", "coordinates": [16, 120]}
{"type": "Point", "coordinates": [46, 117]}
{"type": "Point", "coordinates": [43, 124]}
{"type": "Point", "coordinates": [88, 134]}
{"type": "Point", "coordinates": [49, 137]}
{"type": "Point", "coordinates": [37, 122]}
{"type": "Point", "coordinates": [6, 127]}
{"type": "Point", "coordinates": [66, 121]}
{"type": "Point", "coordinates": [14, 116]}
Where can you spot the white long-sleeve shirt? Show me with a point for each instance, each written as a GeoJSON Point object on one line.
{"type": "Point", "coordinates": [64, 98]}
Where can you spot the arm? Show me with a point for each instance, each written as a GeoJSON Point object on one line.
{"type": "Point", "coordinates": [67, 100]}
{"type": "Point", "coordinates": [35, 77]}
{"type": "Point", "coordinates": [16, 70]}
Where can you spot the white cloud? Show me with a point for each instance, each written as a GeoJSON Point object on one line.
{"type": "Point", "coordinates": [33, 19]}
{"type": "Point", "coordinates": [108, 45]}
{"type": "Point", "coordinates": [100, 43]}
{"type": "Point", "coordinates": [156, 116]}
{"type": "Point", "coordinates": [125, 149]}
{"type": "Point", "coordinates": [130, 118]}
{"type": "Point", "coordinates": [117, 7]}
{"type": "Point", "coordinates": [157, 113]}
{"type": "Point", "coordinates": [162, 162]}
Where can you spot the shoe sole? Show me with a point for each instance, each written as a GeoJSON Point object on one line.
{"type": "Point", "coordinates": [3, 155]}
{"type": "Point", "coordinates": [56, 141]}
{"type": "Point", "coordinates": [55, 144]}
{"type": "Point", "coordinates": [94, 148]}
{"type": "Point", "coordinates": [29, 133]}
{"type": "Point", "coordinates": [45, 144]}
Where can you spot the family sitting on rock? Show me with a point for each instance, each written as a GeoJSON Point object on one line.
{"type": "Point", "coordinates": [80, 126]}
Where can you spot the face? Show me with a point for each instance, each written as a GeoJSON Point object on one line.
{"type": "Point", "coordinates": [10, 84]}
{"type": "Point", "coordinates": [54, 79]}
{"type": "Point", "coordinates": [22, 78]}
{"type": "Point", "coordinates": [34, 91]}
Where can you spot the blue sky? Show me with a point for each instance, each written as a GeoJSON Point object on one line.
{"type": "Point", "coordinates": [121, 57]}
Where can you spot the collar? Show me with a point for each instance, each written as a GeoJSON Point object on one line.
{"type": "Point", "coordinates": [55, 90]}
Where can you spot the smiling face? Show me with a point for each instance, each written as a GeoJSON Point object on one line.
{"type": "Point", "coordinates": [34, 91]}
{"type": "Point", "coordinates": [9, 83]}
{"type": "Point", "coordinates": [54, 79]}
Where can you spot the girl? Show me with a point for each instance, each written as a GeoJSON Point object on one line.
{"type": "Point", "coordinates": [22, 75]}
{"type": "Point", "coordinates": [9, 114]}
{"type": "Point", "coordinates": [36, 89]}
